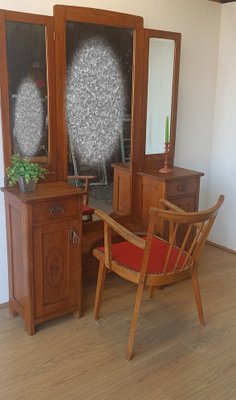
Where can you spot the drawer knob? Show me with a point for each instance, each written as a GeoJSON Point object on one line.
{"type": "Point", "coordinates": [181, 188]}
{"type": "Point", "coordinates": [55, 210]}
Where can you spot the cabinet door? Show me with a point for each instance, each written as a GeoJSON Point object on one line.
{"type": "Point", "coordinates": [57, 271]}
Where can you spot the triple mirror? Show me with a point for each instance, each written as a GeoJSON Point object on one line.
{"type": "Point", "coordinates": [92, 96]}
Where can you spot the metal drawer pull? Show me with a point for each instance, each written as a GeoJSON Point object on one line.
{"type": "Point", "coordinates": [181, 188]}
{"type": "Point", "coordinates": [56, 210]}
{"type": "Point", "coordinates": [74, 236]}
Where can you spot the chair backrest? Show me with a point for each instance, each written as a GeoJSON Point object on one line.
{"type": "Point", "coordinates": [185, 234]}
{"type": "Point", "coordinates": [82, 181]}
{"type": "Point", "coordinates": [179, 250]}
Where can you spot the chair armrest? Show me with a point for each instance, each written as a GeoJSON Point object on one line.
{"type": "Point", "coordinates": [121, 230]}
{"type": "Point", "coordinates": [173, 207]}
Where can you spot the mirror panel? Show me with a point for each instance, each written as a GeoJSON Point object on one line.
{"type": "Point", "coordinates": [117, 31]}
{"type": "Point", "coordinates": [159, 97]}
{"type": "Point", "coordinates": [27, 83]}
{"type": "Point", "coordinates": [98, 98]}
{"type": "Point", "coordinates": [27, 88]}
{"type": "Point", "coordinates": [160, 93]}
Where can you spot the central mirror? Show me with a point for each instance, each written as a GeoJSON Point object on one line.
{"type": "Point", "coordinates": [98, 97]}
{"type": "Point", "coordinates": [98, 74]}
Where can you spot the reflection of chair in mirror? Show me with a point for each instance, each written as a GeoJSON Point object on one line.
{"type": "Point", "coordinates": [152, 260]}
{"type": "Point", "coordinates": [85, 170]}
{"type": "Point", "coordinates": [83, 182]}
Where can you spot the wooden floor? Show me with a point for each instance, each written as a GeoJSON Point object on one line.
{"type": "Point", "coordinates": [174, 358]}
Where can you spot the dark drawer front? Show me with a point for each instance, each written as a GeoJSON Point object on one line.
{"type": "Point", "coordinates": [180, 187]}
{"type": "Point", "coordinates": [55, 209]}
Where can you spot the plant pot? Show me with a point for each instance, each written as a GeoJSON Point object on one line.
{"type": "Point", "coordinates": [26, 187]}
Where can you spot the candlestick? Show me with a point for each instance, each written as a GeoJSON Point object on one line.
{"type": "Point", "coordinates": [166, 169]}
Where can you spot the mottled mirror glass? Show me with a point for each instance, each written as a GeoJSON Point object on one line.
{"type": "Point", "coordinates": [98, 97]}
{"type": "Point", "coordinates": [159, 102]}
{"type": "Point", "coordinates": [27, 80]}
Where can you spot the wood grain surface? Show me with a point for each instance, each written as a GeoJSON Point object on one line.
{"type": "Point", "coordinates": [175, 358]}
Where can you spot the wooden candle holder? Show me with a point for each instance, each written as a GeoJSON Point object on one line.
{"type": "Point", "coordinates": [166, 169]}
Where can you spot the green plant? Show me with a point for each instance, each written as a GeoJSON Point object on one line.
{"type": "Point", "coordinates": [23, 167]}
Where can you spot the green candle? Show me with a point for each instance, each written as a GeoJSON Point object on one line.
{"type": "Point", "coordinates": [167, 138]}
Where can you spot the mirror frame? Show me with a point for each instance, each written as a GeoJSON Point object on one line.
{"type": "Point", "coordinates": [156, 160]}
{"type": "Point", "coordinates": [62, 14]}
{"type": "Point", "coordinates": [47, 22]}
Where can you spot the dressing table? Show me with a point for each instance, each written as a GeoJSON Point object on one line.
{"type": "Point", "coordinates": [37, 53]}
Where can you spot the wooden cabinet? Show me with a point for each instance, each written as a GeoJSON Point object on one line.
{"type": "Point", "coordinates": [44, 251]}
{"type": "Point", "coordinates": [121, 188]}
{"type": "Point", "coordinates": [180, 187]}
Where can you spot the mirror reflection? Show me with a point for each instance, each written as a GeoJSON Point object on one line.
{"type": "Point", "coordinates": [27, 83]}
{"type": "Point", "coordinates": [159, 101]}
{"type": "Point", "coordinates": [98, 98]}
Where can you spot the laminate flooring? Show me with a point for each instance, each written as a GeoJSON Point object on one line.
{"type": "Point", "coordinates": [174, 359]}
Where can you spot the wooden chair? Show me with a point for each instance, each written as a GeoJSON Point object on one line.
{"type": "Point", "coordinates": [83, 181]}
{"type": "Point", "coordinates": [152, 260]}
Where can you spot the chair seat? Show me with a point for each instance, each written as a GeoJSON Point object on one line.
{"type": "Point", "coordinates": [131, 257]}
{"type": "Point", "coordinates": [88, 210]}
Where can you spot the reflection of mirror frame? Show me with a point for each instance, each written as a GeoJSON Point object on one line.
{"type": "Point", "coordinates": [155, 159]}
{"type": "Point", "coordinates": [47, 22]}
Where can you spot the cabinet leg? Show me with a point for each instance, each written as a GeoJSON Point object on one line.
{"type": "Point", "coordinates": [30, 327]}
{"type": "Point", "coordinates": [78, 313]}
{"type": "Point", "coordinates": [13, 313]}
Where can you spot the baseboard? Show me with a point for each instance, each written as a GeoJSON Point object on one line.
{"type": "Point", "coordinates": [221, 247]}
{"type": "Point", "coordinates": [4, 305]}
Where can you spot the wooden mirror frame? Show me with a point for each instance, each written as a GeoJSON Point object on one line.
{"type": "Point", "coordinates": [101, 17]}
{"type": "Point", "coordinates": [156, 160]}
{"type": "Point", "coordinates": [47, 22]}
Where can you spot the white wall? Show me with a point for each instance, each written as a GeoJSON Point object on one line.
{"type": "Point", "coordinates": [199, 23]}
{"type": "Point", "coordinates": [223, 161]}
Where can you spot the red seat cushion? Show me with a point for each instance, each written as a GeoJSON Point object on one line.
{"type": "Point", "coordinates": [87, 210]}
{"type": "Point", "coordinates": [131, 256]}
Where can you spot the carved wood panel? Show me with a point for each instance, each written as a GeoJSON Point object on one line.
{"type": "Point", "coordinates": [56, 280]}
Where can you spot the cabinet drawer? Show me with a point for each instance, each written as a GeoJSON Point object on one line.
{"type": "Point", "coordinates": [54, 209]}
{"type": "Point", "coordinates": [180, 187]}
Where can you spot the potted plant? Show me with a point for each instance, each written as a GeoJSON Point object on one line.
{"type": "Point", "coordinates": [24, 172]}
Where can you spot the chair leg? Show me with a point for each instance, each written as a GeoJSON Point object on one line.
{"type": "Point", "coordinates": [151, 291]}
{"type": "Point", "coordinates": [100, 284]}
{"type": "Point", "coordinates": [134, 321]}
{"type": "Point", "coordinates": [197, 295]}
